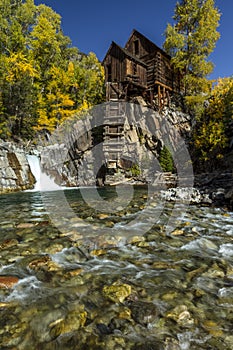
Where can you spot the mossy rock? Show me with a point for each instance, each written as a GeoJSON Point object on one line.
{"type": "Point", "coordinates": [117, 292]}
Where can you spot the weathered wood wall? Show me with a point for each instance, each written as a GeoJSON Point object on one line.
{"type": "Point", "coordinates": [115, 62]}
{"type": "Point", "coordinates": [145, 46]}
{"type": "Point", "coordinates": [141, 63]}
{"type": "Point", "coordinates": [120, 68]}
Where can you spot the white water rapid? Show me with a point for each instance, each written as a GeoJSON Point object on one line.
{"type": "Point", "coordinates": [43, 181]}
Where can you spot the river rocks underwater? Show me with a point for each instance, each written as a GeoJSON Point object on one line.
{"type": "Point", "coordinates": [97, 282]}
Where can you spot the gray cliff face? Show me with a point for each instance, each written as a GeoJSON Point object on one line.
{"type": "Point", "coordinates": [15, 173]}
{"type": "Point", "coordinates": [75, 156]}
{"type": "Point", "coordinates": [68, 157]}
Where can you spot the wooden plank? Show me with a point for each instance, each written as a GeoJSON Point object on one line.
{"type": "Point", "coordinates": [121, 182]}
{"type": "Point", "coordinates": [163, 85]}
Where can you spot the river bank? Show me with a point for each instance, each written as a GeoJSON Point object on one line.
{"type": "Point", "coordinates": [214, 189]}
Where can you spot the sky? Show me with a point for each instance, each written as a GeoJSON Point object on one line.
{"type": "Point", "coordinates": [92, 25]}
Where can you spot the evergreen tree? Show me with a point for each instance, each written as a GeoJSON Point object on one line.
{"type": "Point", "coordinates": [191, 40]}
{"type": "Point", "coordinates": [165, 160]}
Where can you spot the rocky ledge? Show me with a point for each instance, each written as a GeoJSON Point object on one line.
{"type": "Point", "coordinates": [209, 189]}
{"type": "Point", "coordinates": [218, 185]}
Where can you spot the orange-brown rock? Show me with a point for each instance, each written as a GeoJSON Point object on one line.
{"type": "Point", "coordinates": [39, 262]}
{"type": "Point", "coordinates": [8, 243]}
{"type": "Point", "coordinates": [8, 281]}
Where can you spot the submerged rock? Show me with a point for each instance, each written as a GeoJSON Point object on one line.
{"type": "Point", "coordinates": [171, 344]}
{"type": "Point", "coordinates": [75, 318]}
{"type": "Point", "coordinates": [56, 328]}
{"type": "Point", "coordinates": [8, 243]}
{"type": "Point", "coordinates": [143, 312]}
{"type": "Point", "coordinates": [181, 315]}
{"type": "Point", "coordinates": [229, 272]}
{"type": "Point", "coordinates": [40, 262]}
{"type": "Point", "coordinates": [177, 233]}
{"type": "Point", "coordinates": [25, 225]}
{"type": "Point", "coordinates": [155, 345]}
{"type": "Point", "coordinates": [117, 292]}
{"type": "Point", "coordinates": [7, 282]}
{"type": "Point", "coordinates": [213, 328]}
{"type": "Point", "coordinates": [214, 272]}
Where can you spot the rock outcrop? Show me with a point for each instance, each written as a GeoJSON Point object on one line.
{"type": "Point", "coordinates": [75, 154]}
{"type": "Point", "coordinates": [68, 156]}
{"type": "Point", "coordinates": [15, 173]}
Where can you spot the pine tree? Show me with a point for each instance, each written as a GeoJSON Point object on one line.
{"type": "Point", "coordinates": [191, 40]}
{"type": "Point", "coordinates": [166, 160]}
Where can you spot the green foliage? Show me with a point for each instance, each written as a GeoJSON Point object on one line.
{"type": "Point", "coordinates": [90, 78]}
{"type": "Point", "coordinates": [191, 40]}
{"type": "Point", "coordinates": [19, 95]}
{"type": "Point", "coordinates": [166, 160]}
{"type": "Point", "coordinates": [43, 80]}
{"type": "Point", "coordinates": [135, 170]}
{"type": "Point", "coordinates": [210, 135]}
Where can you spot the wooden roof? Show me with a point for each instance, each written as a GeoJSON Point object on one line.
{"type": "Point", "coordinates": [153, 46]}
{"type": "Point", "coordinates": [125, 52]}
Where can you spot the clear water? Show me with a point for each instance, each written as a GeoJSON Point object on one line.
{"type": "Point", "coordinates": [64, 265]}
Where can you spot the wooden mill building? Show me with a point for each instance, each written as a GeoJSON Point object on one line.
{"type": "Point", "coordinates": [140, 68]}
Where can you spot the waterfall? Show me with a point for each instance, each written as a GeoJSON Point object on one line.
{"type": "Point", "coordinates": [43, 181]}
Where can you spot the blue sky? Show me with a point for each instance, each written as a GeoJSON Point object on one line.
{"type": "Point", "coordinates": [92, 25]}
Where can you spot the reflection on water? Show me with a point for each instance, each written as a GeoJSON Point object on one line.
{"type": "Point", "coordinates": [101, 283]}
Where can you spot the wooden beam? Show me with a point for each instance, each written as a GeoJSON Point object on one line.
{"type": "Point", "coordinates": [163, 85]}
{"type": "Point", "coordinates": [159, 96]}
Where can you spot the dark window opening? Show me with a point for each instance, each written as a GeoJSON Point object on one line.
{"type": "Point", "coordinates": [136, 47]}
{"type": "Point", "coordinates": [109, 72]}
{"type": "Point", "coordinates": [134, 69]}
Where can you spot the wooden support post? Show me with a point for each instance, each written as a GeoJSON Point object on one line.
{"type": "Point", "coordinates": [168, 98]}
{"type": "Point", "coordinates": [159, 97]}
{"type": "Point", "coordinates": [164, 92]}
{"type": "Point", "coordinates": [151, 96]}
{"type": "Point", "coordinates": [164, 96]}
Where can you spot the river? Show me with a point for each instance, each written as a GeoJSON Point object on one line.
{"type": "Point", "coordinates": [118, 280]}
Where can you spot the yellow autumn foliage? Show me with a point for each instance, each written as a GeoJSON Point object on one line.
{"type": "Point", "coordinates": [18, 66]}
{"type": "Point", "coordinates": [43, 79]}
{"type": "Point", "coordinates": [210, 135]}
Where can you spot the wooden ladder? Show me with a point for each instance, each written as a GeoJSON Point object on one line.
{"type": "Point", "coordinates": [113, 144]}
